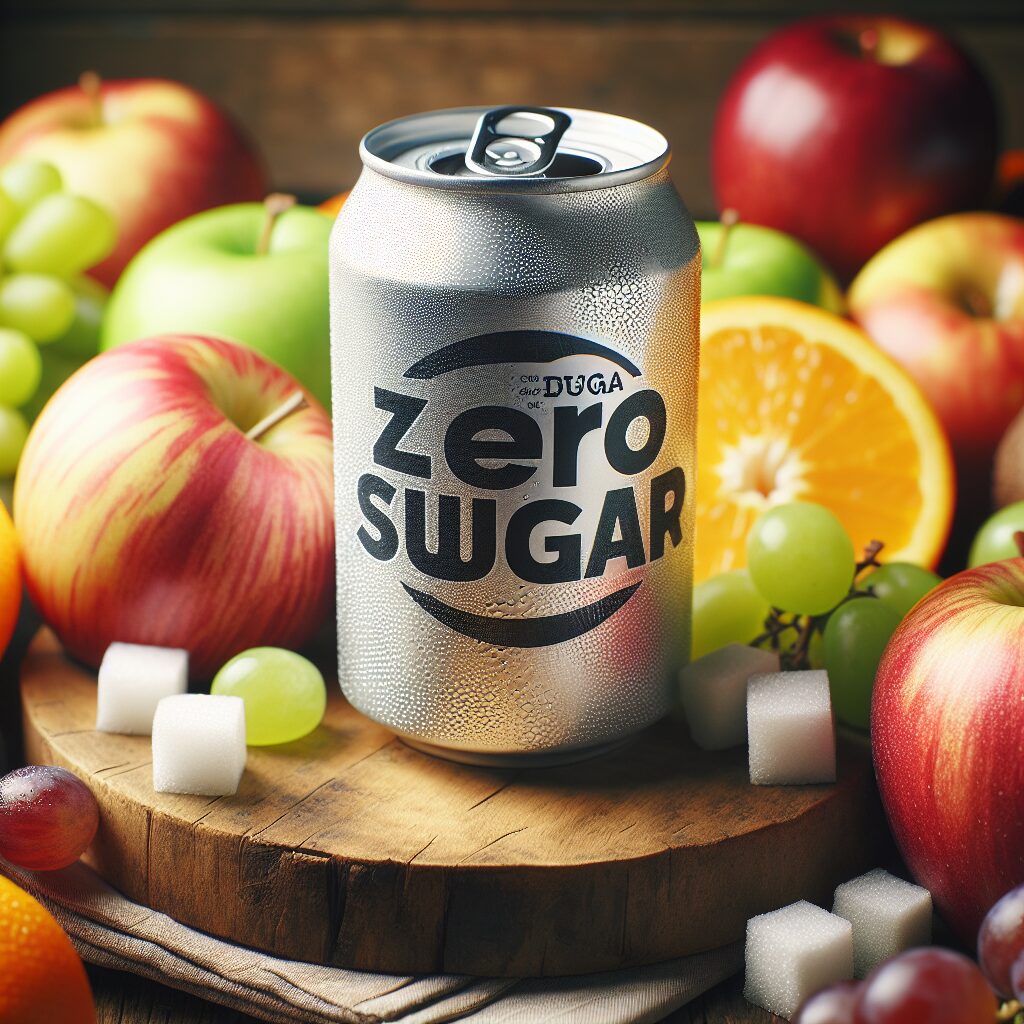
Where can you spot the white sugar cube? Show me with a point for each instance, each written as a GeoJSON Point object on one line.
{"type": "Point", "coordinates": [790, 729]}
{"type": "Point", "coordinates": [793, 952]}
{"type": "Point", "coordinates": [714, 693]}
{"type": "Point", "coordinates": [888, 916]}
{"type": "Point", "coordinates": [199, 744]}
{"type": "Point", "coordinates": [133, 678]}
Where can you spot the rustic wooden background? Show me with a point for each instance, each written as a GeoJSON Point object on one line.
{"type": "Point", "coordinates": [308, 77]}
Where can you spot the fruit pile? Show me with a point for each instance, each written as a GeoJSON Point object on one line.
{"type": "Point", "coordinates": [48, 238]}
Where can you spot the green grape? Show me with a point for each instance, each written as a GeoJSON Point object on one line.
{"type": "Point", "coordinates": [9, 213]}
{"type": "Point", "coordinates": [56, 369]}
{"type": "Point", "coordinates": [21, 367]}
{"type": "Point", "coordinates": [284, 694]}
{"type": "Point", "coordinates": [855, 639]}
{"type": "Point", "coordinates": [900, 585]}
{"type": "Point", "coordinates": [726, 610]}
{"type": "Point", "coordinates": [61, 235]}
{"type": "Point", "coordinates": [13, 433]}
{"type": "Point", "coordinates": [800, 558]}
{"type": "Point", "coordinates": [994, 541]}
{"type": "Point", "coordinates": [41, 306]}
{"type": "Point", "coordinates": [82, 339]}
{"type": "Point", "coordinates": [27, 181]}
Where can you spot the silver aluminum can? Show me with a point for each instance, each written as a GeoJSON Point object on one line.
{"type": "Point", "coordinates": [514, 335]}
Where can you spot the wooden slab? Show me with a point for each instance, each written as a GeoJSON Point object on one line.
{"type": "Point", "coordinates": [350, 848]}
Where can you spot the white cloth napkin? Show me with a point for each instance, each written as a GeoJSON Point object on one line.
{"type": "Point", "coordinates": [112, 931]}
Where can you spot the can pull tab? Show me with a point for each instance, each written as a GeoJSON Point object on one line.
{"type": "Point", "coordinates": [516, 141]}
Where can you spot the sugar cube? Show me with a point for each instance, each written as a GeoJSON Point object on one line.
{"type": "Point", "coordinates": [714, 693]}
{"type": "Point", "coordinates": [199, 744]}
{"type": "Point", "coordinates": [790, 729]}
{"type": "Point", "coordinates": [888, 916]}
{"type": "Point", "coordinates": [132, 680]}
{"type": "Point", "coordinates": [793, 952]}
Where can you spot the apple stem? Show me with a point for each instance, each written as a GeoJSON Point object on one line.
{"type": "Point", "coordinates": [1018, 539]}
{"type": "Point", "coordinates": [729, 219]}
{"type": "Point", "coordinates": [92, 85]}
{"type": "Point", "coordinates": [291, 404]}
{"type": "Point", "coordinates": [977, 303]}
{"type": "Point", "coordinates": [273, 206]}
{"type": "Point", "coordinates": [868, 41]}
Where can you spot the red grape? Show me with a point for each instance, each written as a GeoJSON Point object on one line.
{"type": "Point", "coordinates": [926, 986]}
{"type": "Point", "coordinates": [1001, 939]}
{"type": "Point", "coordinates": [1017, 978]}
{"type": "Point", "coordinates": [832, 1005]}
{"type": "Point", "coordinates": [47, 817]}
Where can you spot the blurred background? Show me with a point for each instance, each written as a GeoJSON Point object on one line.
{"type": "Point", "coordinates": [308, 77]}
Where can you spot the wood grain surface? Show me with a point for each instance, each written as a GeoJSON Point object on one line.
{"type": "Point", "coordinates": [350, 848]}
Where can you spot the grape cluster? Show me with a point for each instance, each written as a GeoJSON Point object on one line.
{"type": "Point", "coordinates": [936, 986]}
{"type": "Point", "coordinates": [49, 314]}
{"type": "Point", "coordinates": [805, 594]}
{"type": "Point", "coordinates": [920, 986]}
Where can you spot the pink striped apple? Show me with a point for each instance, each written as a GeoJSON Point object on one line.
{"type": "Point", "coordinates": [154, 506]}
{"type": "Point", "coordinates": [947, 729]}
{"type": "Point", "coordinates": [152, 151]}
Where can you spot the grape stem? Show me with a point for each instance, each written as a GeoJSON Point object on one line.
{"type": "Point", "coordinates": [1009, 1011]}
{"type": "Point", "coordinates": [806, 626]}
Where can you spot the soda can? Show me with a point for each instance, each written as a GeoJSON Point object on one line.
{"type": "Point", "coordinates": [515, 296]}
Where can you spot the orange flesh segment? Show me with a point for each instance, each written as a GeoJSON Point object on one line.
{"type": "Point", "coordinates": [797, 404]}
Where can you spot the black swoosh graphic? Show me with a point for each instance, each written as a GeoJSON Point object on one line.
{"type": "Point", "coordinates": [512, 347]}
{"type": "Point", "coordinates": [542, 631]}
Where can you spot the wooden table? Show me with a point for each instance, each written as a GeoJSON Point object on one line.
{"type": "Point", "coordinates": [126, 999]}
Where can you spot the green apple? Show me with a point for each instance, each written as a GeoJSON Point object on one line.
{"type": "Point", "coordinates": [248, 272]}
{"type": "Point", "coordinates": [996, 539]}
{"type": "Point", "coordinates": [747, 259]}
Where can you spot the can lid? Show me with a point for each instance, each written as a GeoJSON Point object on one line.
{"type": "Point", "coordinates": [515, 148]}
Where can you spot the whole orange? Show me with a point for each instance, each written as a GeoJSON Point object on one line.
{"type": "Point", "coordinates": [10, 579]}
{"type": "Point", "coordinates": [42, 980]}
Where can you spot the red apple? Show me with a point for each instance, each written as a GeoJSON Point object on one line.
{"type": "Point", "coordinates": [147, 513]}
{"type": "Point", "coordinates": [151, 151]}
{"type": "Point", "coordinates": [947, 301]}
{"type": "Point", "coordinates": [947, 719]}
{"type": "Point", "coordinates": [847, 130]}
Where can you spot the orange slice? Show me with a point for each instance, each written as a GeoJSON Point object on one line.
{"type": "Point", "coordinates": [796, 403]}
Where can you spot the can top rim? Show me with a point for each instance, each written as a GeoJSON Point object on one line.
{"type": "Point", "coordinates": [628, 150]}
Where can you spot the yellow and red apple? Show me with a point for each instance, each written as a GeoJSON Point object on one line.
{"type": "Point", "coordinates": [151, 151]}
{"type": "Point", "coordinates": [946, 725]}
{"type": "Point", "coordinates": [947, 301]}
{"type": "Point", "coordinates": [847, 130]}
{"type": "Point", "coordinates": [151, 511]}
